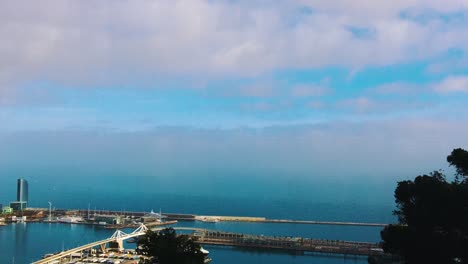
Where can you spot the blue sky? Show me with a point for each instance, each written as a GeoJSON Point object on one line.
{"type": "Point", "coordinates": [291, 84]}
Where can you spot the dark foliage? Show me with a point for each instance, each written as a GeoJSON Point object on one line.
{"type": "Point", "coordinates": [459, 159]}
{"type": "Point", "coordinates": [166, 247]}
{"type": "Point", "coordinates": [433, 217]}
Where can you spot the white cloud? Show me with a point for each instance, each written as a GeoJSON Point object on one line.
{"type": "Point", "coordinates": [452, 84]}
{"type": "Point", "coordinates": [261, 89]}
{"type": "Point", "coordinates": [115, 42]}
{"type": "Point", "coordinates": [368, 105]}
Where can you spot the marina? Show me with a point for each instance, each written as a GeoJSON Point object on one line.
{"type": "Point", "coordinates": [55, 236]}
{"type": "Point", "coordinates": [86, 236]}
{"type": "Point", "coordinates": [119, 219]}
{"type": "Point", "coordinates": [220, 238]}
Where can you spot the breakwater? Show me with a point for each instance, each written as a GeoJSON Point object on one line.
{"type": "Point", "coordinates": [204, 218]}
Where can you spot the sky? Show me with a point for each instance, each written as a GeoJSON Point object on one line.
{"type": "Point", "coordinates": [296, 90]}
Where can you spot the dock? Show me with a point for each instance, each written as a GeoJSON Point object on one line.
{"type": "Point", "coordinates": [154, 224]}
{"type": "Point", "coordinates": [221, 218]}
{"type": "Point", "coordinates": [292, 244]}
{"type": "Point", "coordinates": [206, 218]}
{"type": "Point", "coordinates": [323, 223]}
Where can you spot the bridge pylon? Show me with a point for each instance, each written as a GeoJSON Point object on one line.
{"type": "Point", "coordinates": [118, 234]}
{"type": "Point", "coordinates": [141, 228]}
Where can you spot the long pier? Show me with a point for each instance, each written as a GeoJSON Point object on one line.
{"type": "Point", "coordinates": [193, 217]}
{"type": "Point", "coordinates": [285, 221]}
{"type": "Point", "coordinates": [296, 244]}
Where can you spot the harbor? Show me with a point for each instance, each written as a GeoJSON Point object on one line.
{"type": "Point", "coordinates": [119, 219]}
{"type": "Point", "coordinates": [298, 245]}
{"type": "Point", "coordinates": [259, 235]}
{"type": "Point", "coordinates": [89, 238]}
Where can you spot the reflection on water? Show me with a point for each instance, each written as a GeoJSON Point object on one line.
{"type": "Point", "coordinates": [20, 238]}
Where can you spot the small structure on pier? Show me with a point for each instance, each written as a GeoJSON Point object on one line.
{"type": "Point", "coordinates": [152, 217]}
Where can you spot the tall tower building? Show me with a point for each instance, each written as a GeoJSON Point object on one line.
{"type": "Point", "coordinates": [22, 191]}
{"type": "Point", "coordinates": [21, 195]}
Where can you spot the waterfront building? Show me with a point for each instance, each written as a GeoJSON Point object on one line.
{"type": "Point", "coordinates": [109, 219]}
{"type": "Point", "coordinates": [22, 191]}
{"type": "Point", "coordinates": [21, 202]}
{"type": "Point", "coordinates": [7, 210]}
{"type": "Point", "coordinates": [18, 206]}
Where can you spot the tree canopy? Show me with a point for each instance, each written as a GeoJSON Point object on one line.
{"type": "Point", "coordinates": [166, 247]}
{"type": "Point", "coordinates": [433, 217]}
{"type": "Point", "coordinates": [459, 159]}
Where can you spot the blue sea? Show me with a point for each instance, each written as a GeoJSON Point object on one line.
{"type": "Point", "coordinates": [24, 243]}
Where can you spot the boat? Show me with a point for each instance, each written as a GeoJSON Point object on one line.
{"type": "Point", "coordinates": [70, 219]}
{"type": "Point", "coordinates": [132, 240]}
{"type": "Point", "coordinates": [210, 220]}
{"type": "Point", "coordinates": [205, 254]}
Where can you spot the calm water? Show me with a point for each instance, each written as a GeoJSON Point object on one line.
{"type": "Point", "coordinates": [23, 243]}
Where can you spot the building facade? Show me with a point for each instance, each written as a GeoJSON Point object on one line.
{"type": "Point", "coordinates": [22, 191]}
{"type": "Point", "coordinates": [18, 206]}
{"type": "Point", "coordinates": [22, 196]}
{"type": "Point", "coordinates": [109, 219]}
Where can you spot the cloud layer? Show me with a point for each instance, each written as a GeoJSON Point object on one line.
{"type": "Point", "coordinates": [112, 42]}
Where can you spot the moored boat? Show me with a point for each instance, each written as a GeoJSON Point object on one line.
{"type": "Point", "coordinates": [70, 219]}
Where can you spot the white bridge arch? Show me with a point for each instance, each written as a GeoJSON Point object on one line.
{"type": "Point", "coordinates": [118, 236]}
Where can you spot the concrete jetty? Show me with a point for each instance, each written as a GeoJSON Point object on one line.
{"type": "Point", "coordinates": [221, 218]}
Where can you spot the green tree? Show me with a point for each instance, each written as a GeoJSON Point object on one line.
{"type": "Point", "coordinates": [459, 159]}
{"type": "Point", "coordinates": [433, 217]}
{"type": "Point", "coordinates": [166, 247]}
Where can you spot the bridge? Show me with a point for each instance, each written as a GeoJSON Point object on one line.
{"type": "Point", "coordinates": [118, 237]}
{"type": "Point", "coordinates": [220, 238]}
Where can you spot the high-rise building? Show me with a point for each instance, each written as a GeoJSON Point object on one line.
{"type": "Point", "coordinates": [22, 191]}
{"type": "Point", "coordinates": [21, 202]}
{"type": "Point", "coordinates": [18, 206]}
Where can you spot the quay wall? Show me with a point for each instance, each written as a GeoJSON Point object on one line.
{"type": "Point", "coordinates": [211, 218]}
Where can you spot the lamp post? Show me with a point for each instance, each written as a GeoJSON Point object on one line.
{"type": "Point", "coordinates": [50, 212]}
